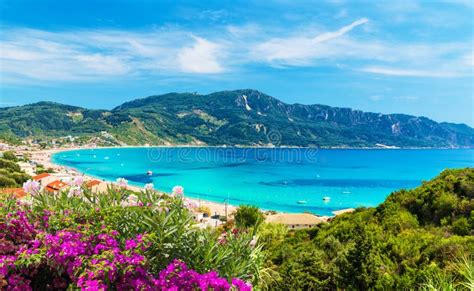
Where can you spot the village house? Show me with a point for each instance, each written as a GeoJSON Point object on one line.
{"type": "Point", "coordinates": [56, 186]}
{"type": "Point", "coordinates": [44, 179]}
{"type": "Point", "coordinates": [96, 186]}
{"type": "Point", "coordinates": [296, 220]}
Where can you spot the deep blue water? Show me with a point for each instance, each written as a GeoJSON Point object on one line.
{"type": "Point", "coordinates": [272, 178]}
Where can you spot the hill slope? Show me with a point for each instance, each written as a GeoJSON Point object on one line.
{"type": "Point", "coordinates": [241, 117]}
{"type": "Point", "coordinates": [413, 236]}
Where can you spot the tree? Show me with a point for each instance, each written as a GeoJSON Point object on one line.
{"type": "Point", "coordinates": [9, 155]}
{"type": "Point", "coordinates": [248, 216]}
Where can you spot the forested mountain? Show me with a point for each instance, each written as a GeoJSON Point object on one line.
{"type": "Point", "coordinates": [241, 117]}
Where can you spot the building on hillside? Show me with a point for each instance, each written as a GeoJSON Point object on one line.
{"type": "Point", "coordinates": [296, 220]}
{"type": "Point", "coordinates": [56, 186]}
{"type": "Point", "coordinates": [17, 192]}
{"type": "Point", "coordinates": [44, 179]}
{"type": "Point", "coordinates": [96, 186]}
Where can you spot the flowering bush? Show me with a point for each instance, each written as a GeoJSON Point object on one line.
{"type": "Point", "coordinates": [92, 243]}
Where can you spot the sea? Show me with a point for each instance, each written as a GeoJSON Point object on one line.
{"type": "Point", "coordinates": [313, 180]}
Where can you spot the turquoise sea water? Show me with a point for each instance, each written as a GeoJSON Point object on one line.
{"type": "Point", "coordinates": [271, 178]}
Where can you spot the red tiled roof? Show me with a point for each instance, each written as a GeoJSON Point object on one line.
{"type": "Point", "coordinates": [17, 192]}
{"type": "Point", "coordinates": [41, 176]}
{"type": "Point", "coordinates": [92, 183]}
{"type": "Point", "coordinates": [55, 186]}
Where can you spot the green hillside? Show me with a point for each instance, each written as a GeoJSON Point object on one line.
{"type": "Point", "coordinates": [241, 117]}
{"type": "Point", "coordinates": [413, 239]}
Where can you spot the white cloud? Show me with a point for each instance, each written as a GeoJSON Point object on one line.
{"type": "Point", "coordinates": [200, 58]}
{"type": "Point", "coordinates": [405, 72]}
{"type": "Point", "coordinates": [299, 50]}
{"type": "Point", "coordinates": [95, 55]}
{"type": "Point", "coordinates": [375, 97]}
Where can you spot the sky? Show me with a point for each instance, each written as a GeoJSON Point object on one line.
{"type": "Point", "coordinates": [413, 57]}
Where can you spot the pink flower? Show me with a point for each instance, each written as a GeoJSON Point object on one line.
{"type": "Point", "coordinates": [178, 190]}
{"type": "Point", "coordinates": [122, 182]}
{"type": "Point", "coordinates": [191, 204]}
{"type": "Point", "coordinates": [31, 187]}
{"type": "Point", "coordinates": [77, 181]}
{"type": "Point", "coordinates": [75, 191]}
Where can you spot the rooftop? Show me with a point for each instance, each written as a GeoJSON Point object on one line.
{"type": "Point", "coordinates": [92, 183]}
{"type": "Point", "coordinates": [41, 176]}
{"type": "Point", "coordinates": [295, 218]}
{"type": "Point", "coordinates": [55, 186]}
{"type": "Point", "coordinates": [17, 192]}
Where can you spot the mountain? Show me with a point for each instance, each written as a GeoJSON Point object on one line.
{"type": "Point", "coordinates": [240, 117]}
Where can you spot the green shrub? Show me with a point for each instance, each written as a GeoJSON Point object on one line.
{"type": "Point", "coordinates": [7, 182]}
{"type": "Point", "coordinates": [461, 226]}
{"type": "Point", "coordinates": [248, 216]}
{"type": "Point", "coordinates": [9, 155]}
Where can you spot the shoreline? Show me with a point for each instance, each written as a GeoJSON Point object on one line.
{"type": "Point", "coordinates": [255, 147]}
{"type": "Point", "coordinates": [44, 157]}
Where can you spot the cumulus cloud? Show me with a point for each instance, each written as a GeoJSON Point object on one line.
{"type": "Point", "coordinates": [200, 58]}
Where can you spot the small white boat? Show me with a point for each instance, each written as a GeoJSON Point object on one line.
{"type": "Point", "coordinates": [106, 158]}
{"type": "Point", "coordinates": [346, 192]}
{"type": "Point", "coordinates": [149, 173]}
{"type": "Point", "coordinates": [301, 202]}
{"type": "Point", "coordinates": [326, 198]}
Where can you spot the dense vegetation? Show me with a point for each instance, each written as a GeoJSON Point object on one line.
{"type": "Point", "coordinates": [241, 117]}
{"type": "Point", "coordinates": [417, 238]}
{"type": "Point", "coordinates": [118, 240]}
{"type": "Point", "coordinates": [10, 173]}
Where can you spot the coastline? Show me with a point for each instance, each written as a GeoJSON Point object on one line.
{"type": "Point", "coordinates": [44, 157]}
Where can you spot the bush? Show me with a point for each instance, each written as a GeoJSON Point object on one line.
{"type": "Point", "coordinates": [461, 226]}
{"type": "Point", "coordinates": [7, 182]}
{"type": "Point", "coordinates": [205, 210]}
{"type": "Point", "coordinates": [9, 155]}
{"type": "Point", "coordinates": [248, 216]}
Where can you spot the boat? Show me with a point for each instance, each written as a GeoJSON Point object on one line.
{"type": "Point", "coordinates": [326, 198]}
{"type": "Point", "coordinates": [149, 173]}
{"type": "Point", "coordinates": [301, 202]}
{"type": "Point", "coordinates": [346, 192]}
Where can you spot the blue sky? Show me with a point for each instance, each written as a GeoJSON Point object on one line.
{"type": "Point", "coordinates": [413, 57]}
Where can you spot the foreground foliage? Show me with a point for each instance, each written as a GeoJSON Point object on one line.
{"type": "Point", "coordinates": [119, 240]}
{"type": "Point", "coordinates": [415, 239]}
